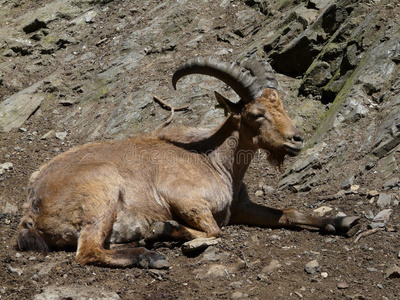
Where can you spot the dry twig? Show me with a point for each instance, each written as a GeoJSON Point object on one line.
{"type": "Point", "coordinates": [366, 233]}
{"type": "Point", "coordinates": [167, 106]}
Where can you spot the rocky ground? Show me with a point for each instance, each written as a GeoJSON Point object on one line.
{"type": "Point", "coordinates": [76, 71]}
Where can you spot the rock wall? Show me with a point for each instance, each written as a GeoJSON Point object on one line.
{"type": "Point", "coordinates": [337, 61]}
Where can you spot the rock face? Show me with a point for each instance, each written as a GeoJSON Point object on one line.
{"type": "Point", "coordinates": [73, 72]}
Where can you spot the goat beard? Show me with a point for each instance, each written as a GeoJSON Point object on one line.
{"type": "Point", "coordinates": [276, 160]}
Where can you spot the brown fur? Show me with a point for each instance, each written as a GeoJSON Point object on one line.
{"type": "Point", "coordinates": [121, 191]}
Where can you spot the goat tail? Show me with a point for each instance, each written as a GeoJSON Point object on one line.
{"type": "Point", "coordinates": [29, 237]}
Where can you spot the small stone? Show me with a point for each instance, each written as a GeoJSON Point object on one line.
{"type": "Point", "coordinates": [15, 270]}
{"type": "Point", "coordinates": [268, 189]}
{"type": "Point", "coordinates": [67, 102]}
{"type": "Point", "coordinates": [61, 135]}
{"type": "Point", "coordinates": [212, 253]}
{"type": "Point", "coordinates": [49, 135]}
{"type": "Point", "coordinates": [236, 284]}
{"type": "Point", "coordinates": [342, 285]}
{"type": "Point", "coordinates": [239, 295]}
{"type": "Point", "coordinates": [374, 225]}
{"type": "Point", "coordinates": [354, 188]}
{"type": "Point", "coordinates": [17, 148]}
{"type": "Point", "coordinates": [341, 214]}
{"type": "Point", "coordinates": [312, 267]}
{"type": "Point", "coordinates": [384, 201]}
{"type": "Point", "coordinates": [383, 216]}
{"type": "Point", "coordinates": [199, 244]}
{"type": "Point", "coordinates": [263, 277]}
{"type": "Point", "coordinates": [372, 193]}
{"type": "Point", "coordinates": [259, 193]}
{"type": "Point", "coordinates": [322, 211]}
{"type": "Point", "coordinates": [273, 266]}
{"type": "Point", "coordinates": [391, 183]}
{"type": "Point", "coordinates": [324, 275]}
{"type": "Point", "coordinates": [347, 183]}
{"type": "Point", "coordinates": [393, 272]}
{"type": "Point", "coordinates": [22, 129]}
{"type": "Point", "coordinates": [7, 166]}
{"type": "Point", "coordinates": [10, 208]}
{"type": "Point", "coordinates": [369, 215]}
{"type": "Point", "coordinates": [274, 237]}
{"type": "Point", "coordinates": [18, 255]}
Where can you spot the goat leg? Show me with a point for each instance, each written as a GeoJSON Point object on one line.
{"type": "Point", "coordinates": [197, 217]}
{"type": "Point", "coordinates": [249, 213]}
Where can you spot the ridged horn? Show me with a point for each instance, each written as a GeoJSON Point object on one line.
{"type": "Point", "coordinates": [248, 85]}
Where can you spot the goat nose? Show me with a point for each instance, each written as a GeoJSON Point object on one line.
{"type": "Point", "coordinates": [297, 137]}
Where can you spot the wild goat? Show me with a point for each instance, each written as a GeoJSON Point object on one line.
{"type": "Point", "coordinates": [180, 184]}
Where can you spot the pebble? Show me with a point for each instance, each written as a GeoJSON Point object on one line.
{"type": "Point", "coordinates": [15, 270]}
{"type": "Point", "coordinates": [369, 215]}
{"type": "Point", "coordinates": [312, 267]}
{"type": "Point", "coordinates": [384, 201]}
{"type": "Point", "coordinates": [372, 194]}
{"type": "Point", "coordinates": [48, 135]}
{"type": "Point", "coordinates": [383, 216]}
{"type": "Point", "coordinates": [374, 225]}
{"type": "Point", "coordinates": [273, 266]}
{"type": "Point", "coordinates": [199, 244]}
{"type": "Point", "coordinates": [322, 211]}
{"type": "Point", "coordinates": [239, 295]}
{"type": "Point", "coordinates": [274, 237]}
{"type": "Point", "coordinates": [393, 272]}
{"type": "Point", "coordinates": [391, 183]}
{"type": "Point", "coordinates": [61, 135]}
{"type": "Point", "coordinates": [347, 183]}
{"type": "Point", "coordinates": [259, 193]}
{"type": "Point", "coordinates": [342, 285]}
{"type": "Point", "coordinates": [7, 166]}
{"type": "Point", "coordinates": [324, 275]}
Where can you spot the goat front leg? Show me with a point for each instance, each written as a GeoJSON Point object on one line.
{"type": "Point", "coordinates": [250, 213]}
{"type": "Point", "coordinates": [197, 218]}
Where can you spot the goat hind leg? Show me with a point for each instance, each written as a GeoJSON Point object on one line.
{"type": "Point", "coordinates": [91, 251]}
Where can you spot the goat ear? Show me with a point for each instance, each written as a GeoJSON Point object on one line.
{"type": "Point", "coordinates": [228, 105]}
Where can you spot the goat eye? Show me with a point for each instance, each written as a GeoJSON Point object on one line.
{"type": "Point", "coordinates": [258, 116]}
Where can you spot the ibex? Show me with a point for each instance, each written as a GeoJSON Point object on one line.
{"type": "Point", "coordinates": [180, 184]}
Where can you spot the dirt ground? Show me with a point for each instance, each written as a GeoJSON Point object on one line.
{"type": "Point", "coordinates": [249, 262]}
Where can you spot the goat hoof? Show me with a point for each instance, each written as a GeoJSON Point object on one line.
{"type": "Point", "coordinates": [152, 260]}
{"type": "Point", "coordinates": [347, 226]}
{"type": "Point", "coordinates": [329, 228]}
{"type": "Point", "coordinates": [351, 225]}
{"type": "Point", "coordinates": [160, 264]}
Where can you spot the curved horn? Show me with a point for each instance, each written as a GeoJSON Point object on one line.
{"type": "Point", "coordinates": [248, 86]}
{"type": "Point", "coordinates": [264, 73]}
